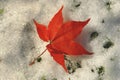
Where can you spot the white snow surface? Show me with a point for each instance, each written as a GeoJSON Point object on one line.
{"type": "Point", "coordinates": [19, 41]}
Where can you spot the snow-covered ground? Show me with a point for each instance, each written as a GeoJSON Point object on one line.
{"type": "Point", "coordinates": [19, 42]}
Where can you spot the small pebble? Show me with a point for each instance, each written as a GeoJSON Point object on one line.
{"type": "Point", "coordinates": [39, 59]}
{"type": "Point", "coordinates": [94, 35]}
{"type": "Point", "coordinates": [108, 44]}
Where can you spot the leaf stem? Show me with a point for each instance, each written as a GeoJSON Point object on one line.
{"type": "Point", "coordinates": [32, 62]}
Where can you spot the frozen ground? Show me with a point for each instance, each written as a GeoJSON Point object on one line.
{"type": "Point", "coordinates": [19, 42]}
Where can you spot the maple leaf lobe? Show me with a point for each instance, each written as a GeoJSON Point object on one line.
{"type": "Point", "coordinates": [42, 31]}
{"type": "Point", "coordinates": [55, 24]}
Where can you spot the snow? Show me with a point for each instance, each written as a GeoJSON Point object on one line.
{"type": "Point", "coordinates": [19, 42]}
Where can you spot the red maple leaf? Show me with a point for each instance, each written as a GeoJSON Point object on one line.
{"type": "Point", "coordinates": [61, 37]}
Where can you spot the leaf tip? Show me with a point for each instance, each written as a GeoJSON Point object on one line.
{"type": "Point", "coordinates": [90, 53]}
{"type": "Point", "coordinates": [62, 7]}
{"type": "Point", "coordinates": [88, 20]}
{"type": "Point", "coordinates": [34, 21]}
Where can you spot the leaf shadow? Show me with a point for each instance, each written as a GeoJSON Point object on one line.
{"type": "Point", "coordinates": [84, 38]}
{"type": "Point", "coordinates": [17, 58]}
